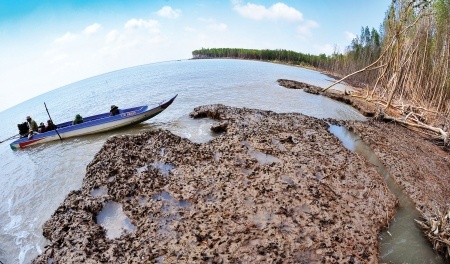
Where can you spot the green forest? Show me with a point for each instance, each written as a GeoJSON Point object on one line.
{"type": "Point", "coordinates": [286, 56]}
{"type": "Point", "coordinates": [405, 61]}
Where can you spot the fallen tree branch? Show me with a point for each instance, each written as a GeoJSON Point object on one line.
{"type": "Point", "coordinates": [436, 229]}
{"type": "Point", "coordinates": [443, 134]}
{"type": "Point", "coordinates": [417, 108]}
{"type": "Point", "coordinates": [364, 69]}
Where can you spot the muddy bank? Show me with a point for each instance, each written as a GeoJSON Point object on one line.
{"type": "Point", "coordinates": [368, 110]}
{"type": "Point", "coordinates": [421, 169]}
{"type": "Point", "coordinates": [270, 188]}
{"type": "Point", "coordinates": [416, 164]}
{"type": "Point", "coordinates": [419, 163]}
{"type": "Point", "coordinates": [419, 166]}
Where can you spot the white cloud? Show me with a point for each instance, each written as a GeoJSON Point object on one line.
{"type": "Point", "coordinates": [169, 12]}
{"type": "Point", "coordinates": [151, 25]}
{"type": "Point", "coordinates": [91, 29]}
{"type": "Point", "coordinates": [212, 24]}
{"type": "Point", "coordinates": [57, 58]}
{"type": "Point", "coordinates": [349, 36]}
{"type": "Point", "coordinates": [218, 26]}
{"type": "Point", "coordinates": [68, 37]}
{"type": "Point", "coordinates": [305, 29]}
{"type": "Point", "coordinates": [112, 36]}
{"type": "Point", "coordinates": [189, 29]}
{"type": "Point", "coordinates": [278, 11]}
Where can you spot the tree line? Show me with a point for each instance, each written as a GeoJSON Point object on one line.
{"type": "Point", "coordinates": [281, 55]}
{"type": "Point", "coordinates": [409, 56]}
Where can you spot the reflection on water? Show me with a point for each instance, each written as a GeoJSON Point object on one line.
{"type": "Point", "coordinates": [196, 130]}
{"type": "Point", "coordinates": [162, 167]}
{"type": "Point", "coordinates": [102, 190]}
{"type": "Point", "coordinates": [171, 205]}
{"type": "Point", "coordinates": [114, 220]}
{"type": "Point", "coordinates": [263, 158]}
{"type": "Point", "coordinates": [402, 241]}
{"type": "Point", "coordinates": [170, 213]}
{"type": "Point", "coordinates": [142, 200]}
{"type": "Point", "coordinates": [288, 180]}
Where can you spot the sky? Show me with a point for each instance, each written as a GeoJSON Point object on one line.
{"type": "Point", "coordinates": [46, 44]}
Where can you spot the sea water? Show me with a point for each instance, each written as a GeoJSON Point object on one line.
{"type": "Point", "coordinates": [34, 181]}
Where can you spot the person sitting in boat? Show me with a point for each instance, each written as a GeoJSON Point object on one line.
{"type": "Point", "coordinates": [78, 120]}
{"type": "Point", "coordinates": [114, 110]}
{"type": "Point", "coordinates": [30, 134]}
{"type": "Point", "coordinates": [32, 124]}
{"type": "Point", "coordinates": [23, 129]}
{"type": "Point", "coordinates": [50, 126]}
{"type": "Point", "coordinates": [41, 127]}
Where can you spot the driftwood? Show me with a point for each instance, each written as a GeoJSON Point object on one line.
{"type": "Point", "coordinates": [443, 135]}
{"type": "Point", "coordinates": [437, 229]}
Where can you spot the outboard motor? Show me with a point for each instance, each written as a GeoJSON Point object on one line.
{"type": "Point", "coordinates": [23, 129]}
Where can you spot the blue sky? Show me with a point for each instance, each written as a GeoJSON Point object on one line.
{"type": "Point", "coordinates": [46, 44]}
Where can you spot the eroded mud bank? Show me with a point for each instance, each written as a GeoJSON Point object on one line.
{"type": "Point", "coordinates": [418, 165]}
{"type": "Point", "coordinates": [272, 187]}
{"type": "Point", "coordinates": [361, 105]}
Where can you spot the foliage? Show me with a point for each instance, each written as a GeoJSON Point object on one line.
{"type": "Point", "coordinates": [410, 53]}
{"type": "Point", "coordinates": [282, 55]}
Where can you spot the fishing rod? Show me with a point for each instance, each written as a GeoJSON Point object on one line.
{"type": "Point", "coordinates": [9, 138]}
{"type": "Point", "coordinates": [56, 129]}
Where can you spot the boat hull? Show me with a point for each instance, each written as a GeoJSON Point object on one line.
{"type": "Point", "coordinates": [95, 124]}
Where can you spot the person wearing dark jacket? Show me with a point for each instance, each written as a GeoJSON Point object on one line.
{"type": "Point", "coordinates": [114, 110]}
{"type": "Point", "coordinates": [78, 120]}
{"type": "Point", "coordinates": [41, 128]}
{"type": "Point", "coordinates": [50, 126]}
{"type": "Point", "coordinates": [23, 129]}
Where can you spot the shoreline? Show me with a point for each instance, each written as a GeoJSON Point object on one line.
{"type": "Point", "coordinates": [416, 162]}
{"type": "Point", "coordinates": [383, 141]}
{"type": "Point", "coordinates": [270, 187]}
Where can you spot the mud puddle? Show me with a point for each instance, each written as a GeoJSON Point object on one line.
{"type": "Point", "coordinates": [113, 219]}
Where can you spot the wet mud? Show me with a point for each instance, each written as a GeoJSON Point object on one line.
{"type": "Point", "coordinates": [269, 188]}
{"type": "Point", "coordinates": [417, 161]}
{"type": "Point", "coordinates": [420, 167]}
{"type": "Point", "coordinates": [368, 110]}
{"type": "Point", "coordinates": [413, 160]}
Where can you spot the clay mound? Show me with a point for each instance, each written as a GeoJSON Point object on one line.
{"type": "Point", "coordinates": [270, 188]}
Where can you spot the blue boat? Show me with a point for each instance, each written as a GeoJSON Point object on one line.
{"type": "Point", "coordinates": [95, 124]}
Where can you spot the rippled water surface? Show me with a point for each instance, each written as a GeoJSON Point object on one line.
{"type": "Point", "coordinates": [35, 181]}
